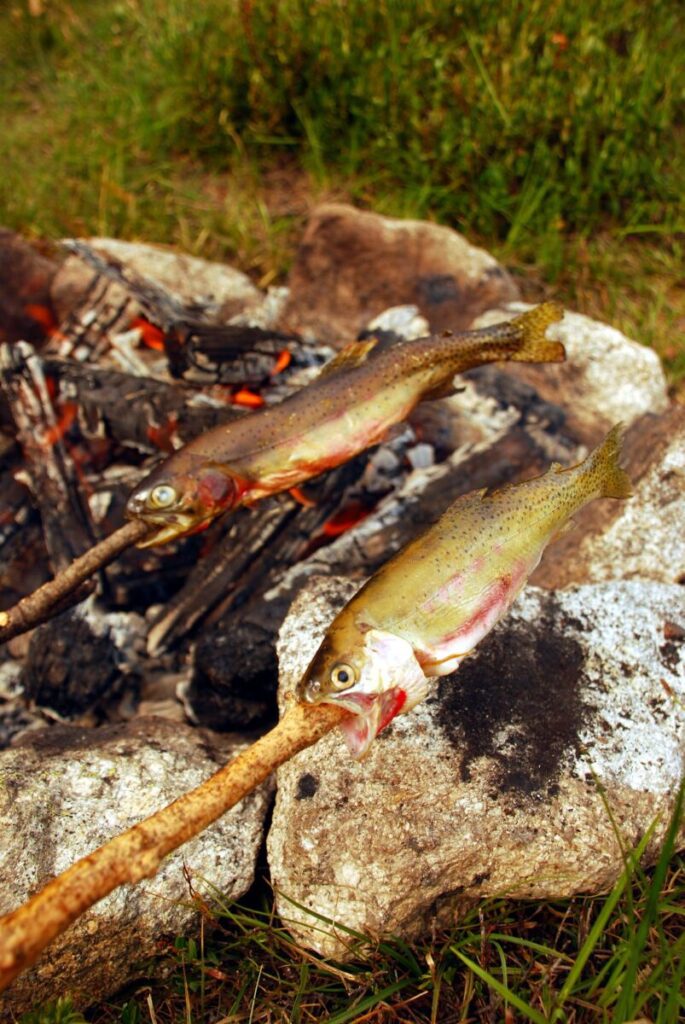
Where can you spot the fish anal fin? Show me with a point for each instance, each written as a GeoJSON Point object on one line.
{"type": "Point", "coordinates": [349, 357]}
{"type": "Point", "coordinates": [442, 390]}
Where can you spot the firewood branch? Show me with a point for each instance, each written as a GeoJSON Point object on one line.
{"type": "Point", "coordinates": [138, 852]}
{"type": "Point", "coordinates": [62, 591]}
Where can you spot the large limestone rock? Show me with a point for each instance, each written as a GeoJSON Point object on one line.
{"type": "Point", "coordinates": [642, 537]}
{"type": "Point", "coordinates": [352, 265]}
{"type": "Point", "coordinates": [64, 792]}
{"type": "Point", "coordinates": [607, 378]}
{"type": "Point", "coordinates": [491, 785]}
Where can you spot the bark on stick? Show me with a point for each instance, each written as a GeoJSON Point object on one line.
{"type": "Point", "coordinates": [138, 852]}
{"type": "Point", "coordinates": [59, 593]}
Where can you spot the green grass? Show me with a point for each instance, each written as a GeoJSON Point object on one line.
{"type": "Point", "coordinates": [505, 119]}
{"type": "Point", "coordinates": [548, 132]}
{"type": "Point", "coordinates": [611, 959]}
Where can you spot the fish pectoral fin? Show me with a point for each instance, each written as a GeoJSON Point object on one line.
{"type": "Point", "coordinates": [359, 732]}
{"type": "Point", "coordinates": [301, 498]}
{"type": "Point", "coordinates": [347, 358]}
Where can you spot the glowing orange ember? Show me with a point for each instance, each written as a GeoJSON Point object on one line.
{"type": "Point", "coordinates": [302, 498]}
{"type": "Point", "coordinates": [45, 318]}
{"type": "Point", "coordinates": [247, 398]}
{"type": "Point", "coordinates": [345, 519]}
{"type": "Point", "coordinates": [283, 361]}
{"type": "Point", "coordinates": [150, 335]}
{"type": "Point", "coordinates": [43, 315]}
{"type": "Point", "coordinates": [67, 417]}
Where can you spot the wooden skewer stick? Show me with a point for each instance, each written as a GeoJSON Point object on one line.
{"type": "Point", "coordinates": [138, 852]}
{"type": "Point", "coordinates": [53, 596]}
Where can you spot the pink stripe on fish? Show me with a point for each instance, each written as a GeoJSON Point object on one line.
{"type": "Point", "coordinates": [452, 587]}
{"type": "Point", "coordinates": [442, 658]}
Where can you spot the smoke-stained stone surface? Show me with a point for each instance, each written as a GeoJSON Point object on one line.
{"type": "Point", "coordinates": [490, 786]}
{"type": "Point", "coordinates": [67, 790]}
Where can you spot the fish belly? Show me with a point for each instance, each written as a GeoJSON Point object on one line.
{"type": "Point", "coordinates": [331, 443]}
{"type": "Point", "coordinates": [454, 628]}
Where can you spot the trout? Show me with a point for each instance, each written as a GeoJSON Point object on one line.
{"type": "Point", "coordinates": [429, 606]}
{"type": "Point", "coordinates": [350, 407]}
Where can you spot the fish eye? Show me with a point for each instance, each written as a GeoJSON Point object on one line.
{"type": "Point", "coordinates": [162, 496]}
{"type": "Point", "coordinates": [342, 676]}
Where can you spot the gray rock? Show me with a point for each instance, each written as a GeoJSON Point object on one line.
{"type": "Point", "coordinates": [352, 265]}
{"type": "Point", "coordinates": [64, 793]}
{"type": "Point", "coordinates": [490, 786]}
{"type": "Point", "coordinates": [607, 378]}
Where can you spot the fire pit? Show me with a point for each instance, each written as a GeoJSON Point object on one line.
{"type": "Point", "coordinates": [121, 367]}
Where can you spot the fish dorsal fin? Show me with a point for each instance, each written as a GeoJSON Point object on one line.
{"type": "Point", "coordinates": [347, 358]}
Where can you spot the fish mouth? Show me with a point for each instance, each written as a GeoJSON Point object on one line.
{"type": "Point", "coordinates": [165, 528]}
{"type": "Point", "coordinates": [370, 714]}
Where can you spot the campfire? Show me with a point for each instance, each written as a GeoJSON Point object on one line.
{"type": "Point", "coordinates": [128, 374]}
{"type": "Point", "coordinates": [107, 367]}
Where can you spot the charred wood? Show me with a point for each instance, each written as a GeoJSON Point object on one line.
{"type": "Point", "coordinates": [234, 673]}
{"type": "Point", "coordinates": [51, 472]}
{"type": "Point", "coordinates": [196, 346]}
{"type": "Point", "coordinates": [81, 658]}
{"type": "Point", "coordinates": [138, 412]}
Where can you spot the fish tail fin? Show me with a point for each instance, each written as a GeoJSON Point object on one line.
{"type": "Point", "coordinates": [529, 329]}
{"type": "Point", "coordinates": [522, 340]}
{"type": "Point", "coordinates": [602, 466]}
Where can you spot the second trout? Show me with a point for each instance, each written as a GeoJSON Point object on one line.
{"type": "Point", "coordinates": [343, 412]}
{"type": "Point", "coordinates": [430, 605]}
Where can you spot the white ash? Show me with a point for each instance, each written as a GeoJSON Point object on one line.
{"type": "Point", "coordinates": [421, 456]}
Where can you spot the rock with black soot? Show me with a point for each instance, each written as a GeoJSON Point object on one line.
{"type": "Point", "coordinates": [492, 785]}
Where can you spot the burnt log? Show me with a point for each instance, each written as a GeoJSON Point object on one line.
{"type": "Point", "coordinates": [49, 469]}
{"type": "Point", "coordinates": [81, 658]}
{"type": "Point", "coordinates": [196, 346]}
{"type": "Point", "coordinates": [139, 412]}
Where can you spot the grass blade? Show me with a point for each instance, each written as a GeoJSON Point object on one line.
{"type": "Point", "coordinates": [501, 989]}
